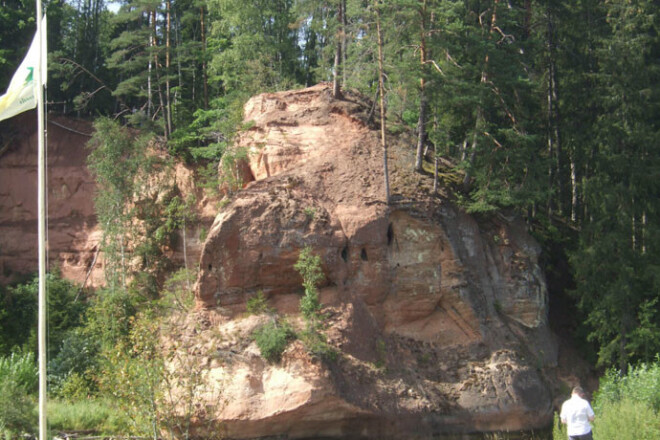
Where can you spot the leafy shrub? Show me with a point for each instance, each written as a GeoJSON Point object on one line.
{"type": "Point", "coordinates": [640, 384]}
{"type": "Point", "coordinates": [67, 371]}
{"type": "Point", "coordinates": [21, 370]}
{"type": "Point", "coordinates": [309, 267]}
{"type": "Point", "coordinates": [98, 415]}
{"type": "Point", "coordinates": [257, 304]}
{"type": "Point", "coordinates": [272, 339]}
{"type": "Point", "coordinates": [310, 305]}
{"type": "Point", "coordinates": [626, 406]}
{"type": "Point", "coordinates": [626, 419]}
{"type": "Point", "coordinates": [18, 308]}
{"type": "Point", "coordinates": [178, 294]}
{"type": "Point", "coordinates": [316, 344]}
{"type": "Point", "coordinates": [18, 410]}
{"type": "Point", "coordinates": [18, 380]}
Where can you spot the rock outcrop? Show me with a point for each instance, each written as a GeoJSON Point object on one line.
{"type": "Point", "coordinates": [439, 318]}
{"type": "Point", "coordinates": [73, 235]}
{"type": "Point", "coordinates": [73, 231]}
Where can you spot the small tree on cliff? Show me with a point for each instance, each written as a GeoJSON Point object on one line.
{"type": "Point", "coordinates": [309, 267]}
{"type": "Point", "coordinates": [116, 159]}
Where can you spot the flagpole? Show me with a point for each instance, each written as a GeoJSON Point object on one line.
{"type": "Point", "coordinates": [41, 205]}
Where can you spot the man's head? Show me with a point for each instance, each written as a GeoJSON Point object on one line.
{"type": "Point", "coordinates": [578, 391]}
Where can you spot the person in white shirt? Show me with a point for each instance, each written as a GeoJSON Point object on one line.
{"type": "Point", "coordinates": [576, 413]}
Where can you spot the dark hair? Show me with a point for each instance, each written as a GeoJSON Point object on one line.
{"type": "Point", "coordinates": [578, 390]}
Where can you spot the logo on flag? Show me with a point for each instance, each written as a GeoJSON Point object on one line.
{"type": "Point", "coordinates": [22, 91]}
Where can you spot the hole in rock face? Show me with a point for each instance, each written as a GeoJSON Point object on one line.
{"type": "Point", "coordinates": [210, 267]}
{"type": "Point", "coordinates": [390, 234]}
{"type": "Point", "coordinates": [344, 254]}
{"type": "Point", "coordinates": [363, 255]}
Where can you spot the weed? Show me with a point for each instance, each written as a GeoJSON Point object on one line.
{"type": "Point", "coordinates": [315, 343]}
{"type": "Point", "coordinates": [272, 339]}
{"type": "Point", "coordinates": [310, 212]}
{"type": "Point", "coordinates": [257, 304]}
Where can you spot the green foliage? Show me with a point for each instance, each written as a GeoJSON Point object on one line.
{"type": "Point", "coordinates": [257, 304]}
{"type": "Point", "coordinates": [17, 26]}
{"type": "Point", "coordinates": [18, 411]}
{"type": "Point", "coordinates": [116, 159]}
{"type": "Point", "coordinates": [558, 429]}
{"type": "Point", "coordinates": [21, 370]}
{"type": "Point", "coordinates": [18, 383]}
{"type": "Point", "coordinates": [309, 267]}
{"type": "Point", "coordinates": [640, 384]}
{"type": "Point", "coordinates": [310, 212]}
{"type": "Point", "coordinates": [18, 314]}
{"type": "Point", "coordinates": [310, 305]}
{"type": "Point", "coordinates": [84, 414]}
{"type": "Point", "coordinates": [626, 405]}
{"type": "Point", "coordinates": [70, 371]}
{"type": "Point", "coordinates": [132, 374]}
{"type": "Point", "coordinates": [111, 316]}
{"type": "Point", "coordinates": [178, 294]}
{"type": "Point", "coordinates": [627, 419]}
{"type": "Point", "coordinates": [272, 339]}
{"type": "Point", "coordinates": [208, 179]}
{"type": "Point", "coordinates": [231, 178]}
{"type": "Point", "coordinates": [316, 343]}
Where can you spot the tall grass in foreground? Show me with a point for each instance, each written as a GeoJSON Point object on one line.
{"type": "Point", "coordinates": [97, 415]}
{"type": "Point", "coordinates": [627, 407]}
{"type": "Point", "coordinates": [18, 381]}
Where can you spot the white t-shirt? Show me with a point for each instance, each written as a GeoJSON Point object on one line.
{"type": "Point", "coordinates": [576, 412]}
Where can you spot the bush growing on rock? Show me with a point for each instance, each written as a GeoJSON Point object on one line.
{"type": "Point", "coordinates": [309, 267]}
{"type": "Point", "coordinates": [272, 339]}
{"type": "Point", "coordinates": [257, 304]}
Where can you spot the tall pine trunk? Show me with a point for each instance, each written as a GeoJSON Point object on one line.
{"type": "Point", "coordinates": [168, 48]}
{"type": "Point", "coordinates": [381, 88]}
{"type": "Point", "coordinates": [480, 118]}
{"type": "Point", "coordinates": [421, 123]}
{"type": "Point", "coordinates": [555, 169]}
{"type": "Point", "coordinates": [337, 70]}
{"type": "Point", "coordinates": [205, 79]}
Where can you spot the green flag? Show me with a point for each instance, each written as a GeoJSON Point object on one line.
{"type": "Point", "coordinates": [22, 92]}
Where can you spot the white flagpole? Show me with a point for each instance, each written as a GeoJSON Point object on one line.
{"type": "Point", "coordinates": [41, 204]}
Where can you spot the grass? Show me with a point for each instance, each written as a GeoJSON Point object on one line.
{"type": "Point", "coordinates": [89, 415]}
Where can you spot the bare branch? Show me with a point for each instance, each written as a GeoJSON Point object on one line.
{"type": "Point", "coordinates": [436, 66]}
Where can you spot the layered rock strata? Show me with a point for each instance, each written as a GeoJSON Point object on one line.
{"type": "Point", "coordinates": [440, 319]}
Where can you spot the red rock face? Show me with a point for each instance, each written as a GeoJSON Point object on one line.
{"type": "Point", "coordinates": [454, 308]}
{"type": "Point", "coordinates": [72, 228]}
{"type": "Point", "coordinates": [73, 232]}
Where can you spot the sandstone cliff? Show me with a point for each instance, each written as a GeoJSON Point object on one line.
{"type": "Point", "coordinates": [73, 233]}
{"type": "Point", "coordinates": [440, 318]}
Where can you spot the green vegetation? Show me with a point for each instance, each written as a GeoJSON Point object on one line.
{"type": "Point", "coordinates": [627, 406]}
{"type": "Point", "coordinates": [548, 109]}
{"type": "Point", "coordinates": [272, 339]}
{"type": "Point", "coordinates": [18, 383]}
{"type": "Point", "coordinates": [309, 267]}
{"type": "Point", "coordinates": [257, 304]}
{"type": "Point", "coordinates": [85, 414]}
